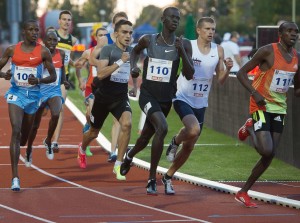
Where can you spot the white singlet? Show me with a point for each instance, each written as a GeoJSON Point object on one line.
{"type": "Point", "coordinates": [195, 92]}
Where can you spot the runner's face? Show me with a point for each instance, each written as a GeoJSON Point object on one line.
{"type": "Point", "coordinates": [65, 21]}
{"type": "Point", "coordinates": [100, 34]}
{"type": "Point", "coordinates": [289, 34]}
{"type": "Point", "coordinates": [31, 31]}
{"type": "Point", "coordinates": [124, 34]}
{"type": "Point", "coordinates": [207, 31]}
{"type": "Point", "coordinates": [171, 19]}
{"type": "Point", "coordinates": [51, 41]}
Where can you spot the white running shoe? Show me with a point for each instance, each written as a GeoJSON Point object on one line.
{"type": "Point", "coordinates": [15, 184]}
{"type": "Point", "coordinates": [28, 159]}
{"type": "Point", "coordinates": [49, 151]}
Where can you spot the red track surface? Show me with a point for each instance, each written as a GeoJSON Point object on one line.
{"type": "Point", "coordinates": [59, 191]}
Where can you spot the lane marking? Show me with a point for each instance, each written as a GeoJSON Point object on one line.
{"type": "Point", "coordinates": [267, 198]}
{"type": "Point", "coordinates": [26, 214]}
{"type": "Point", "coordinates": [111, 196]}
{"type": "Point", "coordinates": [249, 215]}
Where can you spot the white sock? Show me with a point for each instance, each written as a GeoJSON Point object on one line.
{"type": "Point", "coordinates": [118, 163]}
{"type": "Point", "coordinates": [81, 150]}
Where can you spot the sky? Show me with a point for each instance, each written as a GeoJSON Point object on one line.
{"type": "Point", "coordinates": [133, 8]}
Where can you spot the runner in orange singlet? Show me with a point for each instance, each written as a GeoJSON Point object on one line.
{"type": "Point", "coordinates": [278, 69]}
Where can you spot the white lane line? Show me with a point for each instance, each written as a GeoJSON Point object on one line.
{"type": "Point", "coordinates": [71, 146]}
{"type": "Point", "coordinates": [268, 198]}
{"type": "Point", "coordinates": [26, 214]}
{"type": "Point", "coordinates": [111, 196]}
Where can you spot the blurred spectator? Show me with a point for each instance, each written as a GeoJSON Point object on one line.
{"type": "Point", "coordinates": [231, 49]}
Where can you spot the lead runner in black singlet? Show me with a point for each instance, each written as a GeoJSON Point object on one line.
{"type": "Point", "coordinates": [164, 51]}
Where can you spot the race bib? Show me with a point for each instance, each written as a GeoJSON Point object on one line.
{"type": "Point", "coordinates": [199, 87]}
{"type": "Point", "coordinates": [121, 75]}
{"type": "Point", "coordinates": [46, 74]}
{"type": "Point", "coordinates": [11, 97]}
{"type": "Point", "coordinates": [67, 57]}
{"type": "Point", "coordinates": [21, 75]}
{"type": "Point", "coordinates": [94, 71]}
{"type": "Point", "coordinates": [281, 81]}
{"type": "Point", "coordinates": [159, 70]}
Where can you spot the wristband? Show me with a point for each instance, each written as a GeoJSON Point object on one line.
{"type": "Point", "coordinates": [252, 92]}
{"type": "Point", "coordinates": [119, 62]}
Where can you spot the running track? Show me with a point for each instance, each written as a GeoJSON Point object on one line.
{"type": "Point", "coordinates": [59, 191]}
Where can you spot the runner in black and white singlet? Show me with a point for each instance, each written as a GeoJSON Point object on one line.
{"type": "Point", "coordinates": [192, 95]}
{"type": "Point", "coordinates": [66, 41]}
{"type": "Point", "coordinates": [164, 51]}
{"type": "Point", "coordinates": [113, 70]}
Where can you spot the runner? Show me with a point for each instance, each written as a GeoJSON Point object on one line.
{"type": "Point", "coordinates": [278, 63]}
{"type": "Point", "coordinates": [65, 42]}
{"type": "Point", "coordinates": [111, 97]}
{"type": "Point", "coordinates": [51, 98]}
{"type": "Point", "coordinates": [89, 96]}
{"type": "Point", "coordinates": [191, 97]}
{"type": "Point", "coordinates": [23, 97]}
{"type": "Point", "coordinates": [110, 39]}
{"type": "Point", "coordinates": [157, 89]}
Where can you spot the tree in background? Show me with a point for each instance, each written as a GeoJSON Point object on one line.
{"type": "Point", "coordinates": [91, 10]}
{"type": "Point", "coordinates": [150, 14]}
{"type": "Point", "coordinates": [190, 28]}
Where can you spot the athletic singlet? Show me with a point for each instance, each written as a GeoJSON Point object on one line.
{"type": "Point", "coordinates": [115, 86]}
{"type": "Point", "coordinates": [109, 39]}
{"type": "Point", "coordinates": [66, 45]}
{"type": "Point", "coordinates": [109, 42]}
{"type": "Point", "coordinates": [92, 72]}
{"type": "Point", "coordinates": [54, 86]}
{"type": "Point", "coordinates": [160, 71]}
{"type": "Point", "coordinates": [195, 92]}
{"type": "Point", "coordinates": [26, 64]}
{"type": "Point", "coordinates": [274, 83]}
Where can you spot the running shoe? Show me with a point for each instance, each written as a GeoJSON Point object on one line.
{"type": "Point", "coordinates": [171, 151]}
{"type": "Point", "coordinates": [125, 166]}
{"type": "Point", "coordinates": [81, 158]}
{"type": "Point", "coordinates": [86, 128]}
{"type": "Point", "coordinates": [54, 146]}
{"type": "Point", "coordinates": [118, 173]}
{"type": "Point", "coordinates": [112, 157]}
{"type": "Point", "coordinates": [28, 159]}
{"type": "Point", "coordinates": [88, 151]}
{"type": "Point", "coordinates": [151, 187]}
{"type": "Point", "coordinates": [243, 132]}
{"type": "Point", "coordinates": [168, 186]}
{"type": "Point", "coordinates": [15, 184]}
{"type": "Point", "coordinates": [49, 150]}
{"type": "Point", "coordinates": [244, 198]}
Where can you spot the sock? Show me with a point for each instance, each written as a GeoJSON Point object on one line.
{"type": "Point", "coordinates": [167, 177]}
{"type": "Point", "coordinates": [174, 141]}
{"type": "Point", "coordinates": [81, 150]}
{"type": "Point", "coordinates": [118, 163]}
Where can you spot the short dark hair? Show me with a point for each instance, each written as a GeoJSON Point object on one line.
{"type": "Point", "coordinates": [205, 19]}
{"type": "Point", "coordinates": [282, 26]}
{"type": "Point", "coordinates": [25, 24]}
{"type": "Point", "coordinates": [99, 29]}
{"type": "Point", "coordinates": [169, 8]}
{"type": "Point", "coordinates": [65, 12]}
{"type": "Point", "coordinates": [117, 15]}
{"type": "Point", "coordinates": [120, 23]}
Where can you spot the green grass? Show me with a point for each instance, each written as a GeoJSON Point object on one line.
{"type": "Point", "coordinates": [230, 162]}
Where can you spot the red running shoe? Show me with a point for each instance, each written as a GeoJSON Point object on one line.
{"type": "Point", "coordinates": [243, 133]}
{"type": "Point", "coordinates": [244, 198]}
{"type": "Point", "coordinates": [81, 158]}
